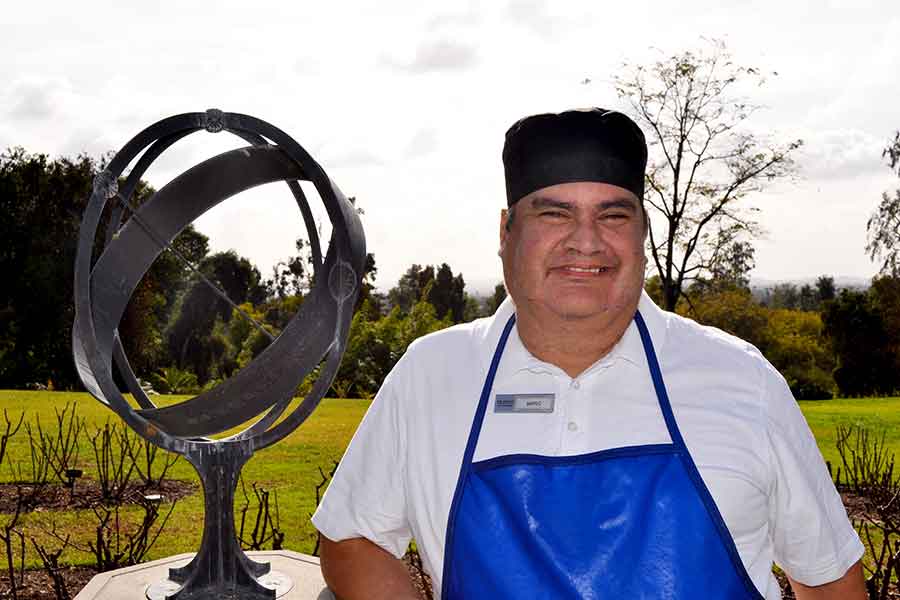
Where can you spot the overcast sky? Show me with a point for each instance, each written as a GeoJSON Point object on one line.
{"type": "Point", "coordinates": [405, 105]}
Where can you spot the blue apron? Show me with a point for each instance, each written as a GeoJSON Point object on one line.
{"type": "Point", "coordinates": [632, 522]}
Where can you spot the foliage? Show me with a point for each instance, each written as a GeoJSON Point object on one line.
{"type": "Point", "coordinates": [472, 309]}
{"type": "Point", "coordinates": [411, 287]}
{"type": "Point", "coordinates": [883, 230]}
{"type": "Point", "coordinates": [797, 348]}
{"type": "Point", "coordinates": [729, 268]}
{"type": "Point", "coordinates": [446, 294]}
{"type": "Point", "coordinates": [40, 205]}
{"type": "Point", "coordinates": [732, 310]}
{"type": "Point", "coordinates": [792, 340]}
{"type": "Point", "coordinates": [855, 324]}
{"type": "Point", "coordinates": [825, 289]}
{"type": "Point", "coordinates": [883, 227]}
{"type": "Point", "coordinates": [704, 160]}
{"type": "Point", "coordinates": [374, 347]}
{"type": "Point", "coordinates": [41, 202]}
{"type": "Point", "coordinates": [732, 262]}
{"type": "Point", "coordinates": [293, 276]}
{"type": "Point", "coordinates": [191, 340]}
{"type": "Point", "coordinates": [496, 298]}
{"type": "Point", "coordinates": [172, 380]}
{"type": "Point", "coordinates": [806, 297]}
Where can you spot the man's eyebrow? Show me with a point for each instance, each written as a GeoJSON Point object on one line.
{"type": "Point", "coordinates": [619, 203]}
{"type": "Point", "coordinates": [544, 202]}
{"type": "Point", "coordinates": [622, 202]}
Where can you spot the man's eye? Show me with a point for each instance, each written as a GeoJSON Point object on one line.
{"type": "Point", "coordinates": [552, 214]}
{"type": "Point", "coordinates": [615, 216]}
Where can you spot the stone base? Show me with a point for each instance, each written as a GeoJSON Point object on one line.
{"type": "Point", "coordinates": [302, 571]}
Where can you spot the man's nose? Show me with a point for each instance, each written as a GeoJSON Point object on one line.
{"type": "Point", "coordinates": [586, 237]}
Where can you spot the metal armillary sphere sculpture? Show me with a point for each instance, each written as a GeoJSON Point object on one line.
{"type": "Point", "coordinates": [263, 390]}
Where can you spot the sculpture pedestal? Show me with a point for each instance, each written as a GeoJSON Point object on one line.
{"type": "Point", "coordinates": [135, 582]}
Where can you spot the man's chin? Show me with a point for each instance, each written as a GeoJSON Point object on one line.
{"type": "Point", "coordinates": [573, 307]}
{"type": "Point", "coordinates": [576, 311]}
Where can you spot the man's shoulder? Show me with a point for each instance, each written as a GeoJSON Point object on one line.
{"type": "Point", "coordinates": [688, 340]}
{"type": "Point", "coordinates": [706, 364]}
{"type": "Point", "coordinates": [440, 364]}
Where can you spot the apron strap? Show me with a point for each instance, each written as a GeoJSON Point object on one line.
{"type": "Point", "coordinates": [473, 441]}
{"type": "Point", "coordinates": [656, 374]}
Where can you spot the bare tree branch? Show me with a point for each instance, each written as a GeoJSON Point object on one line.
{"type": "Point", "coordinates": [706, 161]}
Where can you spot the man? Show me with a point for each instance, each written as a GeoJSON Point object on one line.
{"type": "Point", "coordinates": [582, 443]}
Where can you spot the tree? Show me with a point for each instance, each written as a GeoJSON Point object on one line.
{"type": "Point", "coordinates": [885, 295]}
{"type": "Point", "coordinates": [410, 287]}
{"type": "Point", "coordinates": [856, 328]}
{"type": "Point", "coordinates": [729, 267]}
{"type": "Point", "coordinates": [472, 310]}
{"type": "Point", "coordinates": [883, 227]}
{"type": "Point", "coordinates": [293, 276]}
{"type": "Point", "coordinates": [797, 347]}
{"type": "Point", "coordinates": [703, 158]}
{"type": "Point", "coordinates": [784, 295]}
{"type": "Point", "coordinates": [496, 299]}
{"type": "Point", "coordinates": [733, 262]}
{"type": "Point", "coordinates": [367, 288]}
{"type": "Point", "coordinates": [732, 310]}
{"type": "Point", "coordinates": [807, 299]}
{"type": "Point", "coordinates": [825, 289]}
{"type": "Point", "coordinates": [190, 341]}
{"type": "Point", "coordinates": [41, 201]}
{"type": "Point", "coordinates": [447, 294]}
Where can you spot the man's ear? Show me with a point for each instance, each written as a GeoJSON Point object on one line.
{"type": "Point", "coordinates": [504, 215]}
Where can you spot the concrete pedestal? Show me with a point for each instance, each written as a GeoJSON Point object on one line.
{"type": "Point", "coordinates": [134, 582]}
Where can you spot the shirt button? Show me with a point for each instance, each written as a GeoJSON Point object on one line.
{"type": "Point", "coordinates": [575, 384]}
{"type": "Point", "coordinates": [573, 426]}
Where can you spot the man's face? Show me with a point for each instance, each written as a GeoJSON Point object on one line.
{"type": "Point", "coordinates": [575, 251]}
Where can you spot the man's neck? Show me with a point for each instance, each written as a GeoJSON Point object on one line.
{"type": "Point", "coordinates": [571, 344]}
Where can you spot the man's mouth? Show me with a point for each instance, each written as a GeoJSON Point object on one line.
{"type": "Point", "coordinates": [584, 270]}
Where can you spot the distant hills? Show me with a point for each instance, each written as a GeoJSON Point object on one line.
{"type": "Point", "coordinates": [840, 282]}
{"type": "Point", "coordinates": [757, 284]}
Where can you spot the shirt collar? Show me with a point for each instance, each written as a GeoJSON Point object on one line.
{"type": "Point", "coordinates": [629, 348]}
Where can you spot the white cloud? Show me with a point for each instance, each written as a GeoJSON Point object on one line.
{"type": "Point", "coordinates": [436, 55]}
{"type": "Point", "coordinates": [453, 20]}
{"type": "Point", "coordinates": [840, 154]}
{"type": "Point", "coordinates": [352, 159]}
{"type": "Point", "coordinates": [422, 143]}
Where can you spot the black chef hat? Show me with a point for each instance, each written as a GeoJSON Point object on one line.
{"type": "Point", "coordinates": [592, 144]}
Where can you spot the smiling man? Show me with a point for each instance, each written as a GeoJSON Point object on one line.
{"type": "Point", "coordinates": [582, 443]}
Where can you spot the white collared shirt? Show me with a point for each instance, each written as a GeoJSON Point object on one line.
{"type": "Point", "coordinates": [738, 418]}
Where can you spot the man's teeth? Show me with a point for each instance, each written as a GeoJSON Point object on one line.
{"type": "Point", "coordinates": [588, 269]}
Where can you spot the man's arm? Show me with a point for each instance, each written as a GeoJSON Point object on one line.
{"type": "Point", "coordinates": [357, 569]}
{"type": "Point", "coordinates": [849, 587]}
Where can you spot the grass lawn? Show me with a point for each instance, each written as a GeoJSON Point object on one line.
{"type": "Point", "coordinates": [878, 415]}
{"type": "Point", "coordinates": [291, 466]}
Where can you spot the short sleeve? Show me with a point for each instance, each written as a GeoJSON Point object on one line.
{"type": "Point", "coordinates": [367, 495]}
{"type": "Point", "coordinates": [814, 541]}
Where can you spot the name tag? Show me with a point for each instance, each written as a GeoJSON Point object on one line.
{"type": "Point", "coordinates": [524, 403]}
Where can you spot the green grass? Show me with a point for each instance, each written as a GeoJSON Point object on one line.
{"type": "Point", "coordinates": [878, 415]}
{"type": "Point", "coordinates": [291, 466]}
